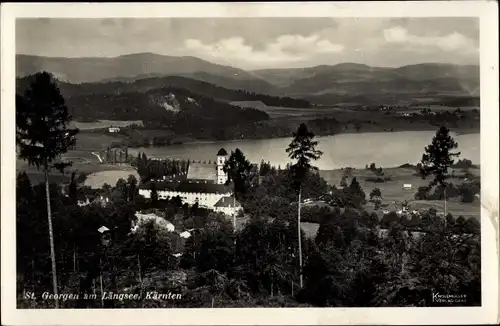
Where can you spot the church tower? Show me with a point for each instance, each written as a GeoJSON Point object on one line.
{"type": "Point", "coordinates": [221, 160]}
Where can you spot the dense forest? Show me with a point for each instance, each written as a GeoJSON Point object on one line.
{"type": "Point", "coordinates": [173, 108]}
{"type": "Point", "coordinates": [168, 108]}
{"type": "Point", "coordinates": [355, 259]}
{"type": "Point", "coordinates": [193, 85]}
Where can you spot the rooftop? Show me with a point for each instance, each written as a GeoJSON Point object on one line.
{"type": "Point", "coordinates": [187, 186]}
{"type": "Point", "coordinates": [227, 201]}
{"type": "Point", "coordinates": [202, 171]}
{"type": "Point", "coordinates": [222, 152]}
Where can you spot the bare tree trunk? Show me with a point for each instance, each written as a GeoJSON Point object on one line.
{"type": "Point", "coordinates": [300, 240]}
{"type": "Point", "coordinates": [100, 280]}
{"type": "Point", "coordinates": [51, 238]}
{"type": "Point", "coordinates": [234, 211]}
{"type": "Point", "coordinates": [139, 267]}
{"type": "Point", "coordinates": [33, 277]}
{"type": "Point", "coordinates": [74, 258]}
{"type": "Point", "coordinates": [445, 208]}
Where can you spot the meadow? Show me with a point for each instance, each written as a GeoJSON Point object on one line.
{"type": "Point", "coordinates": [101, 124]}
{"type": "Point", "coordinates": [97, 179]}
{"type": "Point", "coordinates": [95, 141]}
{"type": "Point", "coordinates": [83, 162]}
{"type": "Point", "coordinates": [276, 112]}
{"type": "Point", "coordinates": [393, 193]}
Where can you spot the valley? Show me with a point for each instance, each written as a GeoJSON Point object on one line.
{"type": "Point", "coordinates": [238, 162]}
{"type": "Point", "coordinates": [186, 99]}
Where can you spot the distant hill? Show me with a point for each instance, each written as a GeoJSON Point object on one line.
{"type": "Point", "coordinates": [346, 82]}
{"type": "Point", "coordinates": [181, 111]}
{"type": "Point", "coordinates": [196, 86]}
{"type": "Point", "coordinates": [81, 70]}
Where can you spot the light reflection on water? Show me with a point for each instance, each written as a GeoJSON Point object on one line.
{"type": "Point", "coordinates": [386, 149]}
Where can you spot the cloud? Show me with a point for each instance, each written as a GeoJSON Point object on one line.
{"type": "Point", "coordinates": [254, 43]}
{"type": "Point", "coordinates": [284, 49]}
{"type": "Point", "coordinates": [450, 42]}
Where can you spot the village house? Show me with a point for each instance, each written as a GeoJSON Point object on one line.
{"type": "Point", "coordinates": [227, 205]}
{"type": "Point", "coordinates": [204, 184]}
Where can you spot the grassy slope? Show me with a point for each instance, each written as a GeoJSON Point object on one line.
{"type": "Point", "coordinates": [369, 121]}
{"type": "Point", "coordinates": [392, 191]}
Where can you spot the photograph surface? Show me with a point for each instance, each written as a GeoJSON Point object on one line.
{"type": "Point", "coordinates": [248, 162]}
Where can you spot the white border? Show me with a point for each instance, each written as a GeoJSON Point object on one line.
{"type": "Point", "coordinates": [488, 313]}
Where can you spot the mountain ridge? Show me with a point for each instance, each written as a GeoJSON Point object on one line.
{"type": "Point", "coordinates": [326, 81]}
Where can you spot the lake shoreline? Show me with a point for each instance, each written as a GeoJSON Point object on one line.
{"type": "Point", "coordinates": [458, 131]}
{"type": "Point", "coordinates": [389, 168]}
{"type": "Point", "coordinates": [389, 149]}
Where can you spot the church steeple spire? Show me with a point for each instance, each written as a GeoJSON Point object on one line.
{"type": "Point", "coordinates": [221, 160]}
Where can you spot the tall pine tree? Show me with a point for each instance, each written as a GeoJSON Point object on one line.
{"type": "Point", "coordinates": [303, 150]}
{"type": "Point", "coordinates": [237, 168]}
{"type": "Point", "coordinates": [437, 160]}
{"type": "Point", "coordinates": [42, 135]}
{"type": "Point", "coordinates": [438, 157]}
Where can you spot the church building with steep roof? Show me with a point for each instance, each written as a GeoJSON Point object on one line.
{"type": "Point", "coordinates": [204, 184]}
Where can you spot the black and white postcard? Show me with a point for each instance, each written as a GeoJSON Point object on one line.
{"type": "Point", "coordinates": [300, 163]}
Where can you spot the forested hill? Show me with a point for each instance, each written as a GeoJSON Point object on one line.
{"type": "Point", "coordinates": [169, 108]}
{"type": "Point", "coordinates": [193, 85]}
{"type": "Point", "coordinates": [173, 108]}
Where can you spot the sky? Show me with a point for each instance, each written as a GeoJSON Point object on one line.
{"type": "Point", "coordinates": [259, 43]}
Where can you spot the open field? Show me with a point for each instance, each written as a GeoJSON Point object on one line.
{"type": "Point", "coordinates": [80, 165]}
{"type": "Point", "coordinates": [98, 179]}
{"type": "Point", "coordinates": [100, 124]}
{"type": "Point", "coordinates": [94, 141]}
{"type": "Point", "coordinates": [434, 108]}
{"type": "Point", "coordinates": [393, 193]}
{"type": "Point", "coordinates": [77, 156]}
{"type": "Point", "coordinates": [281, 112]}
{"type": "Point", "coordinates": [355, 120]}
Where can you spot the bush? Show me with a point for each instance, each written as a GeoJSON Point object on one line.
{"type": "Point", "coordinates": [375, 193]}
{"type": "Point", "coordinates": [378, 179]}
{"type": "Point", "coordinates": [353, 196]}
{"type": "Point", "coordinates": [422, 193]}
{"type": "Point", "coordinates": [317, 214]}
{"type": "Point", "coordinates": [472, 226]}
{"type": "Point", "coordinates": [467, 195]}
{"type": "Point", "coordinates": [388, 219]}
{"type": "Point", "coordinates": [451, 192]}
{"type": "Point", "coordinates": [463, 164]}
{"type": "Point", "coordinates": [468, 191]}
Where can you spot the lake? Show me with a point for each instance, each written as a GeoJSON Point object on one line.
{"type": "Point", "coordinates": [386, 149]}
